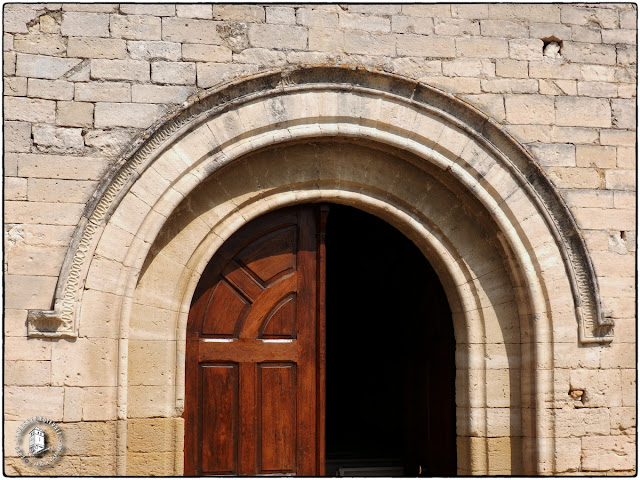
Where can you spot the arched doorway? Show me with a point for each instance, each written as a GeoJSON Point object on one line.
{"type": "Point", "coordinates": [511, 259]}
{"type": "Point", "coordinates": [269, 370]}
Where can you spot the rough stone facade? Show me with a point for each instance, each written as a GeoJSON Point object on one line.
{"type": "Point", "coordinates": [86, 85]}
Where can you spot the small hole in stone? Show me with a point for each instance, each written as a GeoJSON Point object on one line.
{"type": "Point", "coordinates": [551, 47]}
{"type": "Point", "coordinates": [623, 235]}
{"type": "Point", "coordinates": [576, 394]}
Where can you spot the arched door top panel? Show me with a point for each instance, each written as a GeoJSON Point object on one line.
{"type": "Point", "coordinates": [273, 107]}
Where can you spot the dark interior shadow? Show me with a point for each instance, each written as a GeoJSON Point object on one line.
{"type": "Point", "coordinates": [390, 354]}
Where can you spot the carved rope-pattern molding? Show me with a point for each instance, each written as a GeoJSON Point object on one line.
{"type": "Point", "coordinates": [60, 321]}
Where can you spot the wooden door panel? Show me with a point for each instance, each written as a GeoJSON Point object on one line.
{"type": "Point", "coordinates": [272, 255]}
{"type": "Point", "coordinates": [277, 418]}
{"type": "Point", "coordinates": [266, 302]}
{"type": "Point", "coordinates": [219, 387]}
{"type": "Point", "coordinates": [248, 351]}
{"type": "Point", "coordinates": [252, 337]}
{"type": "Point", "coordinates": [225, 298]}
{"type": "Point", "coordinates": [242, 281]}
{"type": "Point", "coordinates": [281, 321]}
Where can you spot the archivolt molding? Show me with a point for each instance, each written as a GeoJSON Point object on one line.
{"type": "Point", "coordinates": [408, 94]}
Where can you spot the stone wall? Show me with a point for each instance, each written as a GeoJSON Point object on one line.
{"type": "Point", "coordinates": [84, 81]}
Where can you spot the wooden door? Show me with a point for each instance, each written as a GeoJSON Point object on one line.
{"type": "Point", "coordinates": [254, 386]}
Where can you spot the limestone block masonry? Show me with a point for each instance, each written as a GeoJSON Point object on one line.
{"type": "Point", "coordinates": [179, 123]}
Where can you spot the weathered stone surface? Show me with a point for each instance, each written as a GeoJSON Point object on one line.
{"type": "Point", "coordinates": [58, 139]}
{"type": "Point", "coordinates": [418, 10]}
{"type": "Point", "coordinates": [89, 403]}
{"type": "Point", "coordinates": [626, 157]}
{"type": "Point", "coordinates": [468, 68]}
{"type": "Point", "coordinates": [26, 372]}
{"type": "Point", "coordinates": [211, 73]}
{"type": "Point", "coordinates": [455, 27]}
{"type": "Point", "coordinates": [574, 135]}
{"type": "Point", "coordinates": [490, 104]}
{"type": "Point", "coordinates": [97, 368]}
{"type": "Point", "coordinates": [280, 37]}
{"type": "Point", "coordinates": [525, 49]}
{"type": "Point", "coordinates": [43, 213]}
{"type": "Point", "coordinates": [480, 47]}
{"type": "Point", "coordinates": [619, 36]}
{"type": "Point", "coordinates": [136, 115]}
{"type": "Point", "coordinates": [15, 86]}
{"type": "Point", "coordinates": [17, 136]}
{"type": "Point", "coordinates": [427, 46]}
{"type": "Point", "coordinates": [315, 18]}
{"type": "Point", "coordinates": [51, 90]}
{"type": "Point", "coordinates": [588, 34]}
{"type": "Point", "coordinates": [90, 47]}
{"type": "Point", "coordinates": [109, 143]}
{"type": "Point", "coordinates": [416, 67]}
{"type": "Point", "coordinates": [194, 11]}
{"type": "Point", "coordinates": [23, 402]}
{"type": "Point", "coordinates": [620, 179]}
{"type": "Point", "coordinates": [583, 112]}
{"type": "Point", "coordinates": [576, 177]}
{"type": "Point", "coordinates": [74, 114]}
{"type": "Point", "coordinates": [190, 31]}
{"type": "Point", "coordinates": [540, 12]}
{"type": "Point", "coordinates": [135, 70]}
{"type": "Point", "coordinates": [473, 11]}
{"type": "Point", "coordinates": [370, 23]}
{"type": "Point", "coordinates": [40, 66]}
{"type": "Point", "coordinates": [509, 86]}
{"type": "Point", "coordinates": [589, 53]}
{"type": "Point", "coordinates": [608, 453]}
{"type": "Point", "coordinates": [421, 26]}
{"type": "Point", "coordinates": [261, 56]}
{"type": "Point", "coordinates": [57, 190]}
{"type": "Point", "coordinates": [554, 69]}
{"type": "Point", "coordinates": [583, 15]}
{"type": "Point", "coordinates": [16, 17]}
{"type": "Point", "coordinates": [90, 7]}
{"type": "Point", "coordinates": [239, 13]}
{"type": "Point", "coordinates": [597, 89]}
{"type": "Point", "coordinates": [85, 24]}
{"type": "Point", "coordinates": [206, 53]}
{"type": "Point", "coordinates": [512, 68]}
{"type": "Point", "coordinates": [160, 94]}
{"type": "Point", "coordinates": [281, 15]}
{"type": "Point", "coordinates": [60, 166]}
{"type": "Point", "coordinates": [579, 422]}
{"type": "Point", "coordinates": [28, 110]}
{"type": "Point", "coordinates": [624, 113]}
{"type": "Point", "coordinates": [135, 27]}
{"type": "Point", "coordinates": [502, 29]}
{"type": "Point", "coordinates": [529, 109]}
{"type": "Point", "coordinates": [40, 44]}
{"type": "Point", "coordinates": [173, 73]}
{"type": "Point", "coordinates": [159, 10]}
{"type": "Point", "coordinates": [595, 156]}
{"type": "Point", "coordinates": [144, 50]}
{"type": "Point", "coordinates": [143, 464]}
{"type": "Point", "coordinates": [103, 92]}
{"type": "Point", "coordinates": [73, 466]}
{"type": "Point", "coordinates": [617, 137]}
{"type": "Point", "coordinates": [558, 155]}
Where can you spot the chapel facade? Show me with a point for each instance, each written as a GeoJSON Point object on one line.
{"type": "Point", "coordinates": [321, 239]}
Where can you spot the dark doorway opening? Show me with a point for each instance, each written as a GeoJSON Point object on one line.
{"type": "Point", "coordinates": [390, 382]}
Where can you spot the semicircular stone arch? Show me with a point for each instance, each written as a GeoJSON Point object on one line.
{"type": "Point", "coordinates": [505, 246]}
